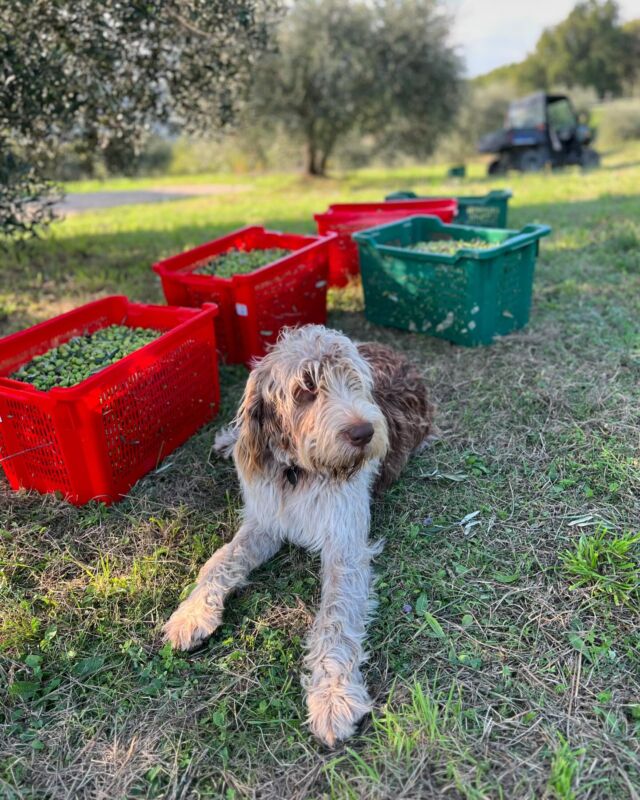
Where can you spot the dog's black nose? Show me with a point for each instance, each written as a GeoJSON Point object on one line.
{"type": "Point", "coordinates": [360, 435]}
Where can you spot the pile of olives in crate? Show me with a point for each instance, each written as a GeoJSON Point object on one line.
{"type": "Point", "coordinates": [82, 356]}
{"type": "Point", "coordinates": [240, 262]}
{"type": "Point", "coordinates": [449, 247]}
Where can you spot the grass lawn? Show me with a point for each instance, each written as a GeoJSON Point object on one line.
{"type": "Point", "coordinates": [505, 654]}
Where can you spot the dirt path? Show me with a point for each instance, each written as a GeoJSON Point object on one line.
{"type": "Point", "coordinates": [77, 202]}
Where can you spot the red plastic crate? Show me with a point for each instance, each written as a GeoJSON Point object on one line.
{"type": "Point", "coordinates": [96, 439]}
{"type": "Point", "coordinates": [253, 307]}
{"type": "Point", "coordinates": [344, 219]}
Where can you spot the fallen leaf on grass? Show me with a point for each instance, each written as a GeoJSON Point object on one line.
{"type": "Point", "coordinates": [431, 622]}
{"type": "Point", "coordinates": [436, 475]}
{"type": "Point", "coordinates": [421, 604]}
{"type": "Point", "coordinates": [88, 666]}
{"type": "Point", "coordinates": [504, 577]}
{"type": "Point", "coordinates": [23, 689]}
{"type": "Point", "coordinates": [581, 522]}
{"type": "Point", "coordinates": [469, 522]}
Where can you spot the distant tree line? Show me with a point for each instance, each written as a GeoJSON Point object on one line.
{"type": "Point", "coordinates": [591, 48]}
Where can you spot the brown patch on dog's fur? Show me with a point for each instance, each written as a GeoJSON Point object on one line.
{"type": "Point", "coordinates": [400, 391]}
{"type": "Point", "coordinates": [258, 426]}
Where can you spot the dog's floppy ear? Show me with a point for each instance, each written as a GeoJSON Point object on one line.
{"type": "Point", "coordinates": [253, 422]}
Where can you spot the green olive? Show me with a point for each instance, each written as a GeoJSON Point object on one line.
{"type": "Point", "coordinates": [73, 361]}
{"type": "Point", "coordinates": [240, 262]}
{"type": "Point", "coordinates": [450, 247]}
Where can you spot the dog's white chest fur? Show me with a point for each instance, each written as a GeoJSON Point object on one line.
{"type": "Point", "coordinates": [313, 513]}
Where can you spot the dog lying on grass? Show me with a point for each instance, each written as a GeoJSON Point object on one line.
{"type": "Point", "coordinates": [323, 423]}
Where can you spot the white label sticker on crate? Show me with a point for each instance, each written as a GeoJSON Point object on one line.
{"type": "Point", "coordinates": [242, 310]}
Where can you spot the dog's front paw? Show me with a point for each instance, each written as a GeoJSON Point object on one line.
{"type": "Point", "coordinates": [225, 441]}
{"type": "Point", "coordinates": [192, 622]}
{"type": "Point", "coordinates": [336, 704]}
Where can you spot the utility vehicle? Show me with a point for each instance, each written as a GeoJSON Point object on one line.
{"type": "Point", "coordinates": [541, 129]}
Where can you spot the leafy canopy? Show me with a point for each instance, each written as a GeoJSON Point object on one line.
{"type": "Point", "coordinates": [590, 49]}
{"type": "Point", "coordinates": [382, 68]}
{"type": "Point", "coordinates": [106, 73]}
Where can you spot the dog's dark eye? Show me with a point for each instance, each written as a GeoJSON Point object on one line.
{"type": "Point", "coordinates": [308, 391]}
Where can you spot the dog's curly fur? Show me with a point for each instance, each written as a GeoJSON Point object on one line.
{"type": "Point", "coordinates": [400, 392]}
{"type": "Point", "coordinates": [322, 422]}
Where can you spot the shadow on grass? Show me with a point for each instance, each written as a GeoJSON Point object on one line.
{"type": "Point", "coordinates": [73, 269]}
{"type": "Point", "coordinates": [38, 274]}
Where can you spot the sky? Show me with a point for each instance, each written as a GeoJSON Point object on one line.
{"type": "Point", "coordinates": [491, 33]}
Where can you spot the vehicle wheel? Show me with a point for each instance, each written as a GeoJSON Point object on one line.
{"type": "Point", "coordinates": [531, 161]}
{"type": "Point", "coordinates": [589, 159]}
{"type": "Point", "coordinates": [497, 167]}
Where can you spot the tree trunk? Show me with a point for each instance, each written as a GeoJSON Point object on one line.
{"type": "Point", "coordinates": [323, 163]}
{"type": "Point", "coordinates": [318, 157]}
{"type": "Point", "coordinates": [312, 160]}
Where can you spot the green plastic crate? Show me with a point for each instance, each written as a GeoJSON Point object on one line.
{"type": "Point", "coordinates": [489, 210]}
{"type": "Point", "coordinates": [469, 298]}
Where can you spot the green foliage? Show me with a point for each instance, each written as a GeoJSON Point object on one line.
{"type": "Point", "coordinates": [384, 70]}
{"type": "Point", "coordinates": [631, 30]}
{"type": "Point", "coordinates": [123, 157]}
{"type": "Point", "coordinates": [26, 198]}
{"type": "Point", "coordinates": [318, 82]}
{"type": "Point", "coordinates": [105, 73]}
{"type": "Point", "coordinates": [619, 122]}
{"type": "Point", "coordinates": [590, 48]}
{"type": "Point", "coordinates": [504, 74]}
{"type": "Point", "coordinates": [585, 48]}
{"type": "Point", "coordinates": [606, 563]}
{"type": "Point", "coordinates": [72, 161]}
{"type": "Point", "coordinates": [248, 147]}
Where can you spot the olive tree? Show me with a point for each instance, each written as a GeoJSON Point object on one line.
{"type": "Point", "coordinates": [382, 68]}
{"type": "Point", "coordinates": [106, 73]}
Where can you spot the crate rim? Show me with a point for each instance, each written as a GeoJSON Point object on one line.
{"type": "Point", "coordinates": [19, 388]}
{"type": "Point", "coordinates": [532, 232]}
{"type": "Point", "coordinates": [164, 270]}
{"type": "Point", "coordinates": [351, 210]}
{"type": "Point", "coordinates": [493, 194]}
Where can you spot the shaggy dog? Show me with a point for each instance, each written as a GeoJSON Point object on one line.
{"type": "Point", "coordinates": [322, 423]}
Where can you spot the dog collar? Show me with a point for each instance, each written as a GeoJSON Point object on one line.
{"type": "Point", "coordinates": [291, 474]}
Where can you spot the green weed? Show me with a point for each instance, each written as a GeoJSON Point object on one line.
{"type": "Point", "coordinates": [607, 564]}
{"type": "Point", "coordinates": [564, 771]}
